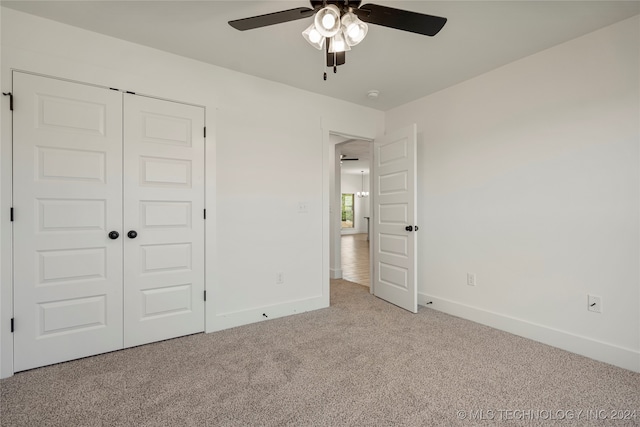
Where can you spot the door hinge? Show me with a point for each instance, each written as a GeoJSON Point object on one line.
{"type": "Point", "coordinates": [205, 131]}
{"type": "Point", "coordinates": [205, 295]}
{"type": "Point", "coordinates": [11, 214]}
{"type": "Point", "coordinates": [10, 95]}
{"type": "Point", "coordinates": [12, 325]}
{"type": "Point", "coordinates": [205, 214]}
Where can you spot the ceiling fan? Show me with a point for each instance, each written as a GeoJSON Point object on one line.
{"type": "Point", "coordinates": [340, 24]}
{"type": "Point", "coordinates": [343, 158]}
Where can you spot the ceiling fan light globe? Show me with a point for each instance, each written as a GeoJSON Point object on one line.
{"type": "Point", "coordinates": [327, 20]}
{"type": "Point", "coordinates": [313, 37]}
{"type": "Point", "coordinates": [338, 44]}
{"type": "Point", "coordinates": [353, 28]}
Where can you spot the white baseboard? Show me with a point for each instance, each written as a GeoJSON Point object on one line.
{"type": "Point", "coordinates": [604, 352]}
{"type": "Point", "coordinates": [260, 314]}
{"type": "Point", "coordinates": [335, 273]}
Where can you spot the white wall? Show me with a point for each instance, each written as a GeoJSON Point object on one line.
{"type": "Point", "coordinates": [266, 152]}
{"type": "Point", "coordinates": [529, 178]}
{"type": "Point", "coordinates": [352, 183]}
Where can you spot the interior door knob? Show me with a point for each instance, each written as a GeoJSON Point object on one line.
{"type": "Point", "coordinates": [409, 228]}
{"type": "Point", "coordinates": [132, 234]}
{"type": "Point", "coordinates": [113, 235]}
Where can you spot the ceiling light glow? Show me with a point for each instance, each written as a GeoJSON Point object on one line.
{"type": "Point", "coordinates": [327, 20]}
{"type": "Point", "coordinates": [313, 37]}
{"type": "Point", "coordinates": [354, 31]}
{"type": "Point", "coordinates": [353, 28]}
{"type": "Point", "coordinates": [338, 44]}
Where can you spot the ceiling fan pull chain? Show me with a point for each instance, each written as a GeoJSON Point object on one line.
{"type": "Point", "coordinates": [325, 63]}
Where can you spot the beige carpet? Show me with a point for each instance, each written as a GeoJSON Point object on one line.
{"type": "Point", "coordinates": [361, 362]}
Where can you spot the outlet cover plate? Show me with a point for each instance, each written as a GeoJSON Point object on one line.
{"type": "Point", "coordinates": [471, 279]}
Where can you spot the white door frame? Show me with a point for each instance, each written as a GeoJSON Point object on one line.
{"type": "Point", "coordinates": [6, 230]}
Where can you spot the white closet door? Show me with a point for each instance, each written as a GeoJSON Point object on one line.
{"type": "Point", "coordinates": [164, 205]}
{"type": "Point", "coordinates": [67, 165]}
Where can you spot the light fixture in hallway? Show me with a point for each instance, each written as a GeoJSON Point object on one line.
{"type": "Point", "coordinates": [362, 193]}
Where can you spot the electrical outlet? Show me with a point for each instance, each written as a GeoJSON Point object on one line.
{"type": "Point", "coordinates": [303, 207]}
{"type": "Point", "coordinates": [594, 303]}
{"type": "Point", "coordinates": [471, 279]}
{"type": "Point", "coordinates": [279, 278]}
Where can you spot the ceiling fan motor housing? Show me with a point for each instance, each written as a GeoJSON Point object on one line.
{"type": "Point", "coordinates": [343, 5]}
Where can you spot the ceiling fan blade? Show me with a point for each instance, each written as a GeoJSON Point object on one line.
{"type": "Point", "coordinates": [271, 18]}
{"type": "Point", "coordinates": [399, 19]}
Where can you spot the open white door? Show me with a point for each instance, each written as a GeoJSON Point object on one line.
{"type": "Point", "coordinates": [393, 216]}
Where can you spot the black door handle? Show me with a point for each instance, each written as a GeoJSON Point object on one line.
{"type": "Point", "coordinates": [132, 234]}
{"type": "Point", "coordinates": [113, 235]}
{"type": "Point", "coordinates": [409, 228]}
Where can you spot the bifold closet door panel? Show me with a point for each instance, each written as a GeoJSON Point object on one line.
{"type": "Point", "coordinates": [163, 219]}
{"type": "Point", "coordinates": [67, 166]}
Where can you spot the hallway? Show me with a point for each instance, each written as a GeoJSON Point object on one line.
{"type": "Point", "coordinates": [355, 258]}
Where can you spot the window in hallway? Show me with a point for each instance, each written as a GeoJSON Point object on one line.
{"type": "Point", "coordinates": [347, 210]}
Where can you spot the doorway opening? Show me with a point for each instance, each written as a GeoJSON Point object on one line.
{"type": "Point", "coordinates": [353, 173]}
{"type": "Point", "coordinates": [392, 259]}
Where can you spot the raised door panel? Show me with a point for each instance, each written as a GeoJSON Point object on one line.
{"type": "Point", "coordinates": [67, 197]}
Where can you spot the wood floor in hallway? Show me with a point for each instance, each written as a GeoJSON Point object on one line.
{"type": "Point", "coordinates": [355, 258]}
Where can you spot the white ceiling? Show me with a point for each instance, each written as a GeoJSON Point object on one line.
{"type": "Point", "coordinates": [479, 36]}
{"type": "Point", "coordinates": [355, 149]}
